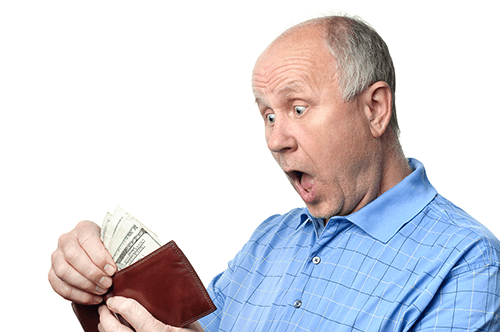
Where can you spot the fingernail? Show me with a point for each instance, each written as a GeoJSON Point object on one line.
{"type": "Point", "coordinates": [105, 282]}
{"type": "Point", "coordinates": [110, 270]}
{"type": "Point", "coordinates": [110, 302]}
{"type": "Point", "coordinates": [97, 299]}
{"type": "Point", "coordinates": [100, 290]}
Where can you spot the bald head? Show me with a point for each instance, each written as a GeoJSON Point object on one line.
{"type": "Point", "coordinates": [360, 57]}
{"type": "Point", "coordinates": [305, 44]}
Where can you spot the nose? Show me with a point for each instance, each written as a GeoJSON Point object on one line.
{"type": "Point", "coordinates": [280, 136]}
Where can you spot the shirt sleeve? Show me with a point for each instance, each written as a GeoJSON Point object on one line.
{"type": "Point", "coordinates": [211, 322]}
{"type": "Point", "coordinates": [469, 301]}
{"type": "Point", "coordinates": [219, 288]}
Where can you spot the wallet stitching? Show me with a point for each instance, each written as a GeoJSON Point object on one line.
{"type": "Point", "coordinates": [195, 277]}
{"type": "Point", "coordinates": [200, 286]}
{"type": "Point", "coordinates": [145, 258]}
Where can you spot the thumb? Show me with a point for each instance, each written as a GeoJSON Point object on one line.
{"type": "Point", "coordinates": [136, 315]}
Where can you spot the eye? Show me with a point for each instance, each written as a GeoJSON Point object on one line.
{"type": "Point", "coordinates": [299, 110]}
{"type": "Point", "coordinates": [271, 117]}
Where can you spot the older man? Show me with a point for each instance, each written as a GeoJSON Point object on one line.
{"type": "Point", "coordinates": [376, 249]}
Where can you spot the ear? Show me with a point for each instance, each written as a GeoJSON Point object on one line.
{"type": "Point", "coordinates": [377, 106]}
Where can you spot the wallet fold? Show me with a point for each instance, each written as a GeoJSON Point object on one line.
{"type": "Point", "coordinates": [164, 282]}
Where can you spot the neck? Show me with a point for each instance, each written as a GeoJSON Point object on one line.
{"type": "Point", "coordinates": [396, 166]}
{"type": "Point", "coordinates": [391, 168]}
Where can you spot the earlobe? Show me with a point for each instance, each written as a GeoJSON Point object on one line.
{"type": "Point", "coordinates": [378, 107]}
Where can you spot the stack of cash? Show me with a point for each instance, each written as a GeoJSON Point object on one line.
{"type": "Point", "coordinates": [126, 238]}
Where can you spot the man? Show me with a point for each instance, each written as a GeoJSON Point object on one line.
{"type": "Point", "coordinates": [376, 249]}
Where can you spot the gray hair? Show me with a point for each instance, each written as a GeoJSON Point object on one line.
{"type": "Point", "coordinates": [362, 58]}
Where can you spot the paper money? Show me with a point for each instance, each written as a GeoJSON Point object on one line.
{"type": "Point", "coordinates": [126, 238]}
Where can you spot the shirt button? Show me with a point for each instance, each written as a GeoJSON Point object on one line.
{"type": "Point", "coordinates": [297, 304]}
{"type": "Point", "coordinates": [316, 260]}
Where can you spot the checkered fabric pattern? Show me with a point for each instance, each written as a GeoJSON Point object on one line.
{"type": "Point", "coordinates": [408, 261]}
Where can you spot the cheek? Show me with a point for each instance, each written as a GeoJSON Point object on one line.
{"type": "Point", "coordinates": [334, 153]}
{"type": "Point", "coordinates": [267, 133]}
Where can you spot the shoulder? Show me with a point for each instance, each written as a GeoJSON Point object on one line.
{"type": "Point", "coordinates": [466, 270]}
{"type": "Point", "coordinates": [275, 229]}
{"type": "Point", "coordinates": [475, 246]}
{"type": "Point", "coordinates": [279, 223]}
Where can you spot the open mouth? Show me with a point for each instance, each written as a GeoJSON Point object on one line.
{"type": "Point", "coordinates": [304, 183]}
{"type": "Point", "coordinates": [295, 175]}
{"type": "Point", "coordinates": [297, 178]}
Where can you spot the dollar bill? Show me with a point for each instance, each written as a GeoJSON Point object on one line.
{"type": "Point", "coordinates": [126, 238]}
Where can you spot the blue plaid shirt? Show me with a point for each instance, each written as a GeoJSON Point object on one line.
{"type": "Point", "coordinates": [408, 261]}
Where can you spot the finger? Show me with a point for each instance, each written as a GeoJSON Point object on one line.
{"type": "Point", "coordinates": [68, 274]}
{"type": "Point", "coordinates": [83, 249]}
{"type": "Point", "coordinates": [108, 321]}
{"type": "Point", "coordinates": [71, 293]}
{"type": "Point", "coordinates": [195, 327]}
{"type": "Point", "coordinates": [71, 256]}
{"type": "Point", "coordinates": [136, 315]}
{"type": "Point", "coordinates": [88, 235]}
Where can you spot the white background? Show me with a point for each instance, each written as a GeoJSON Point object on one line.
{"type": "Point", "coordinates": [148, 104]}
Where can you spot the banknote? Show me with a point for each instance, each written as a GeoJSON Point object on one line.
{"type": "Point", "coordinates": [126, 238]}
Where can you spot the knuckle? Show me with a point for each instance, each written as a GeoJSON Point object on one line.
{"type": "Point", "coordinates": [64, 239]}
{"type": "Point", "coordinates": [130, 307]}
{"type": "Point", "coordinates": [99, 258]}
{"type": "Point", "coordinates": [84, 224]}
{"type": "Point", "coordinates": [60, 268]}
{"type": "Point", "coordinates": [55, 257]}
{"type": "Point", "coordinates": [66, 245]}
{"type": "Point", "coordinates": [89, 238]}
{"type": "Point", "coordinates": [113, 328]}
{"type": "Point", "coordinates": [71, 253]}
{"type": "Point", "coordinates": [78, 296]}
{"type": "Point", "coordinates": [168, 328]}
{"type": "Point", "coordinates": [117, 328]}
{"type": "Point", "coordinates": [58, 285]}
{"type": "Point", "coordinates": [85, 229]}
{"type": "Point", "coordinates": [52, 279]}
{"type": "Point", "coordinates": [95, 275]}
{"type": "Point", "coordinates": [64, 290]}
{"type": "Point", "coordinates": [61, 271]}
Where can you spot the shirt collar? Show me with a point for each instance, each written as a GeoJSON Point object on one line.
{"type": "Point", "coordinates": [385, 215]}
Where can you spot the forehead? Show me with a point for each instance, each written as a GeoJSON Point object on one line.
{"type": "Point", "coordinates": [293, 62]}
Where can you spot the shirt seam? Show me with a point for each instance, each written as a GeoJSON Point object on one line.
{"type": "Point", "coordinates": [472, 268]}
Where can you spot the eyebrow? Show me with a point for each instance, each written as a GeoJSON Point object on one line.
{"type": "Point", "coordinates": [258, 99]}
{"type": "Point", "coordinates": [285, 91]}
{"type": "Point", "coordinates": [292, 87]}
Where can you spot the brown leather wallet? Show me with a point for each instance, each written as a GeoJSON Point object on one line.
{"type": "Point", "coordinates": [164, 282]}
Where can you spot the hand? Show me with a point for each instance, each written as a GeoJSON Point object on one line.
{"type": "Point", "coordinates": [137, 316]}
{"type": "Point", "coordinates": [81, 266]}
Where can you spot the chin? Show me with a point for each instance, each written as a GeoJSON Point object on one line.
{"type": "Point", "coordinates": [322, 211]}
